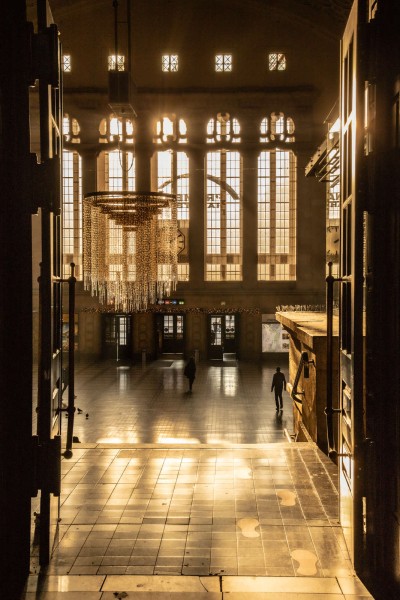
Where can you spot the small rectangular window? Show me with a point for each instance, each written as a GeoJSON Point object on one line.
{"type": "Point", "coordinates": [183, 271]}
{"type": "Point", "coordinates": [223, 62]}
{"type": "Point", "coordinates": [116, 63]}
{"type": "Point", "coordinates": [276, 61]}
{"type": "Point", "coordinates": [66, 63]}
{"type": "Point", "coordinates": [169, 62]}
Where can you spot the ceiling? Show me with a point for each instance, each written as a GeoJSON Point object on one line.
{"type": "Point", "coordinates": [326, 17]}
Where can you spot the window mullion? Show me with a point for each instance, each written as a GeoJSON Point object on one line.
{"type": "Point", "coordinates": [123, 157]}
{"type": "Point", "coordinates": [76, 200]}
{"type": "Point", "coordinates": [107, 171]}
{"type": "Point", "coordinates": [174, 172]}
{"type": "Point", "coordinates": [223, 215]}
{"type": "Point", "coordinates": [273, 207]}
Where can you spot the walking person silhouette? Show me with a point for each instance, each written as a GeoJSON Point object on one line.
{"type": "Point", "coordinates": [190, 371]}
{"type": "Point", "coordinates": [278, 383]}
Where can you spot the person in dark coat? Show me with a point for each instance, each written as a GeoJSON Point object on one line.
{"type": "Point", "coordinates": [278, 383]}
{"type": "Point", "coordinates": [190, 371]}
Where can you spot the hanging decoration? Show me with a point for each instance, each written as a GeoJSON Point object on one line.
{"type": "Point", "coordinates": [180, 310]}
{"type": "Point", "coordinates": [129, 247]}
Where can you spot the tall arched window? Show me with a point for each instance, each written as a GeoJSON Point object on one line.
{"type": "Point", "coordinates": [276, 202]}
{"type": "Point", "coordinates": [117, 165]}
{"type": "Point", "coordinates": [116, 172]}
{"type": "Point", "coordinates": [277, 128]}
{"type": "Point", "coordinates": [170, 129]}
{"type": "Point", "coordinates": [223, 128]}
{"type": "Point", "coordinates": [223, 261]}
{"type": "Point", "coordinates": [171, 169]}
{"type": "Point", "coordinates": [72, 200]}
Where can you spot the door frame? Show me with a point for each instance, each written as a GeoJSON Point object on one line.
{"type": "Point", "coordinates": [122, 351]}
{"type": "Point", "coordinates": [227, 345]}
{"type": "Point", "coordinates": [351, 393]}
{"type": "Point", "coordinates": [159, 333]}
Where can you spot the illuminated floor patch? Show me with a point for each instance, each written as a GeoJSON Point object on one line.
{"type": "Point", "coordinates": [307, 562]}
{"type": "Point", "coordinates": [248, 527]}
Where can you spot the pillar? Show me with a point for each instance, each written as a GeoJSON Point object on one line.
{"type": "Point", "coordinates": [15, 300]}
{"type": "Point", "coordinates": [196, 219]}
{"type": "Point", "coordinates": [250, 219]}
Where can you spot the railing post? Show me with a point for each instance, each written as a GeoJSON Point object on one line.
{"type": "Point", "coordinates": [330, 280]}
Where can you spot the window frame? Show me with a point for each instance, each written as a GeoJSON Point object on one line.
{"type": "Point", "coordinates": [223, 62]}
{"type": "Point", "coordinates": [171, 65]}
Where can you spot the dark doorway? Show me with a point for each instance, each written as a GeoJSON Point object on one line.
{"type": "Point", "coordinates": [117, 336]}
{"type": "Point", "coordinates": [222, 335]}
{"type": "Point", "coordinates": [171, 333]}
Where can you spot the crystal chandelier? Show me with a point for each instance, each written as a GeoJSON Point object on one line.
{"type": "Point", "coordinates": [129, 247]}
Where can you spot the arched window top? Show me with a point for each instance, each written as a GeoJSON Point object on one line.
{"type": "Point", "coordinates": [277, 128]}
{"type": "Point", "coordinates": [114, 128]}
{"type": "Point", "coordinates": [70, 129]}
{"type": "Point", "coordinates": [223, 128]}
{"type": "Point", "coordinates": [170, 128]}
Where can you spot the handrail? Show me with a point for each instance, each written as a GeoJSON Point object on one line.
{"type": "Point", "coordinates": [296, 400]}
{"type": "Point", "coordinates": [303, 364]}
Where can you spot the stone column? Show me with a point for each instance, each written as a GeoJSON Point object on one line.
{"type": "Point", "coordinates": [196, 207]}
{"type": "Point", "coordinates": [196, 219]}
{"type": "Point", "coordinates": [89, 169]}
{"type": "Point", "coordinates": [143, 153]}
{"type": "Point", "coordinates": [249, 205]}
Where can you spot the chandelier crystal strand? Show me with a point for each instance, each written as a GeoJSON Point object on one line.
{"type": "Point", "coordinates": [130, 247]}
{"type": "Point", "coordinates": [86, 245]}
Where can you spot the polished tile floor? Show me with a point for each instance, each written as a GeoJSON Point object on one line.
{"type": "Point", "coordinates": [165, 484]}
{"type": "Point", "coordinates": [230, 403]}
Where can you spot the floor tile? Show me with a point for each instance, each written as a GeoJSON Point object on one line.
{"type": "Point", "coordinates": [281, 584]}
{"type": "Point", "coordinates": [64, 596]}
{"type": "Point", "coordinates": [163, 488]}
{"type": "Point", "coordinates": [170, 596]}
{"type": "Point", "coordinates": [160, 584]}
{"type": "Point", "coordinates": [352, 586]}
{"type": "Point", "coordinates": [65, 583]}
{"type": "Point", "coordinates": [281, 596]}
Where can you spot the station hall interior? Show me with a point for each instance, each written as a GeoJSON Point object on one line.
{"type": "Point", "coordinates": [216, 181]}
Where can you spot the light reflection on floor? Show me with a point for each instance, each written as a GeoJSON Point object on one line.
{"type": "Point", "coordinates": [138, 404]}
{"type": "Point", "coordinates": [187, 498]}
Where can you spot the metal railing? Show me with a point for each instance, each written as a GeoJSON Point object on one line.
{"type": "Point", "coordinates": [303, 366]}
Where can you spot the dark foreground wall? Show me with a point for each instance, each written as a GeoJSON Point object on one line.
{"type": "Point", "coordinates": [15, 301]}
